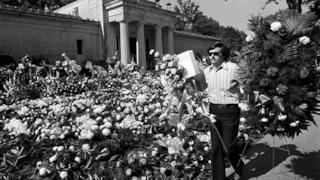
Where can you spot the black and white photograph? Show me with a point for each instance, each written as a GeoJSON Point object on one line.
{"type": "Point", "coordinates": [159, 89]}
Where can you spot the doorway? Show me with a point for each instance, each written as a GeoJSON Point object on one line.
{"type": "Point", "coordinates": [133, 47]}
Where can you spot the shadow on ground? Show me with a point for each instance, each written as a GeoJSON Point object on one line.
{"type": "Point", "coordinates": [262, 158]}
{"type": "Point", "coordinates": [308, 165]}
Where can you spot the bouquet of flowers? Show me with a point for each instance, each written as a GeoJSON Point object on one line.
{"type": "Point", "coordinates": [280, 71]}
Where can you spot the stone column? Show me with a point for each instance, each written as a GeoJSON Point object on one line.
{"type": "Point", "coordinates": [141, 49]}
{"type": "Point", "coordinates": [124, 42]}
{"type": "Point", "coordinates": [158, 43]}
{"type": "Point", "coordinates": [170, 41]}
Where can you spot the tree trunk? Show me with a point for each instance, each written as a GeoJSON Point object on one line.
{"type": "Point", "coordinates": [299, 9]}
{"type": "Point", "coordinates": [295, 4]}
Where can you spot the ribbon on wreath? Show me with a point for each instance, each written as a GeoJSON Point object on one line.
{"type": "Point", "coordinates": [261, 98]}
{"type": "Point", "coordinates": [279, 103]}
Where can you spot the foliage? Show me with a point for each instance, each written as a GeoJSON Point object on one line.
{"type": "Point", "coordinates": [37, 4]}
{"type": "Point", "coordinates": [187, 14]}
{"type": "Point", "coordinates": [232, 37]}
{"type": "Point", "coordinates": [190, 18]}
{"type": "Point", "coordinates": [118, 129]}
{"type": "Point", "coordinates": [297, 4]}
{"type": "Point", "coordinates": [281, 72]}
{"type": "Point", "coordinates": [207, 26]}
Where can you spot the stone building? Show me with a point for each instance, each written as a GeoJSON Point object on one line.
{"type": "Point", "coordinates": [95, 30]}
{"type": "Point", "coordinates": [39, 33]}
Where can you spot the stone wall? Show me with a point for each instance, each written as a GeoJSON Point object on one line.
{"type": "Point", "coordinates": [34, 32]}
{"type": "Point", "coordinates": [190, 41]}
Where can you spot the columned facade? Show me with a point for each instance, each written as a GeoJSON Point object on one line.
{"type": "Point", "coordinates": [124, 42]}
{"type": "Point", "coordinates": [129, 28]}
{"type": "Point", "coordinates": [158, 38]}
{"type": "Point", "coordinates": [170, 41]}
{"type": "Point", "coordinates": [133, 18]}
{"type": "Point", "coordinates": [140, 46]}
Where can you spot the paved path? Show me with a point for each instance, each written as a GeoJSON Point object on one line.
{"type": "Point", "coordinates": [304, 156]}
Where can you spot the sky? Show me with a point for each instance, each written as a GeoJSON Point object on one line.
{"type": "Point", "coordinates": [234, 12]}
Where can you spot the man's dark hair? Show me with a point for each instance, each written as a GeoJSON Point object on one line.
{"type": "Point", "coordinates": [225, 51]}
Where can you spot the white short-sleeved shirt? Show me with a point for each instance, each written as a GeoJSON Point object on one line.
{"type": "Point", "coordinates": [220, 80]}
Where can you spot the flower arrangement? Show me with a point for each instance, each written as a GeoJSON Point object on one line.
{"type": "Point", "coordinates": [279, 67]}
{"type": "Point", "coordinates": [119, 130]}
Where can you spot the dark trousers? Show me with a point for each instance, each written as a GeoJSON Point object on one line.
{"type": "Point", "coordinates": [227, 123]}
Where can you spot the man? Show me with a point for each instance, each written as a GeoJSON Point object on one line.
{"type": "Point", "coordinates": [223, 95]}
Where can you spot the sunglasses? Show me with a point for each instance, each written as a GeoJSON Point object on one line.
{"type": "Point", "coordinates": [214, 53]}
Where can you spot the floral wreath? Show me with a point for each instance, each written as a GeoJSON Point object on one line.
{"type": "Point", "coordinates": [280, 68]}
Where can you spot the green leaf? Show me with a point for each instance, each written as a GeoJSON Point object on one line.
{"type": "Point", "coordinates": [88, 163]}
{"type": "Point", "coordinates": [299, 23]}
{"type": "Point", "coordinates": [113, 157]}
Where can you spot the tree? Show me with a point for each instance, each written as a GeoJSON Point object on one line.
{"type": "Point", "coordinates": [232, 37]}
{"type": "Point", "coordinates": [297, 4]}
{"type": "Point", "coordinates": [190, 18]}
{"type": "Point", "coordinates": [37, 4]}
{"type": "Point", "coordinates": [187, 14]}
{"type": "Point", "coordinates": [207, 26]}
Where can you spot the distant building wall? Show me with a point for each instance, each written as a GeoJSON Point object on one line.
{"type": "Point", "coordinates": [190, 41]}
{"type": "Point", "coordinates": [38, 33]}
{"type": "Point", "coordinates": [93, 10]}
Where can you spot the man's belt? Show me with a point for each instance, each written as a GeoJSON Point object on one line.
{"type": "Point", "coordinates": [223, 106]}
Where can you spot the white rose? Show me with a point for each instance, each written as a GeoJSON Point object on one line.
{"type": "Point", "coordinates": [128, 172]}
{"type": "Point", "coordinates": [282, 117]}
{"type": "Point", "coordinates": [304, 40]}
{"type": "Point", "coordinates": [55, 148]}
{"type": "Point", "coordinates": [244, 107]}
{"type": "Point", "coordinates": [20, 66]}
{"type": "Point", "coordinates": [171, 150]}
{"type": "Point", "coordinates": [163, 170]}
{"type": "Point", "coordinates": [243, 120]}
{"type": "Point", "coordinates": [249, 38]}
{"type": "Point", "coordinates": [181, 126]}
{"type": "Point", "coordinates": [86, 134]}
{"type": "Point", "coordinates": [166, 57]}
{"type": "Point", "coordinates": [106, 132]}
{"type": "Point", "coordinates": [203, 138]}
{"type": "Point", "coordinates": [77, 159]}
{"type": "Point", "coordinates": [108, 124]}
{"type": "Point", "coordinates": [157, 54]}
{"type": "Point", "coordinates": [173, 163]}
{"type": "Point", "coordinates": [60, 148]}
{"type": "Point", "coordinates": [52, 136]}
{"type": "Point", "coordinates": [53, 158]}
{"type": "Point", "coordinates": [154, 153]}
{"type": "Point", "coordinates": [275, 26]}
{"type": "Point", "coordinates": [38, 165]}
{"type": "Point", "coordinates": [151, 51]}
{"type": "Point", "coordinates": [63, 174]}
{"type": "Point", "coordinates": [42, 171]}
{"type": "Point", "coordinates": [206, 149]}
{"type": "Point", "coordinates": [86, 147]}
{"type": "Point", "coordinates": [62, 136]}
{"type": "Point", "coordinates": [71, 148]}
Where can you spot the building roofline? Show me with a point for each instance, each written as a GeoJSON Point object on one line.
{"type": "Point", "coordinates": [141, 3]}
{"type": "Point", "coordinates": [67, 5]}
{"type": "Point", "coordinates": [41, 12]}
{"type": "Point", "coordinates": [195, 35]}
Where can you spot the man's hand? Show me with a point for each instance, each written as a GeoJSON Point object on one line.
{"type": "Point", "coordinates": [234, 87]}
